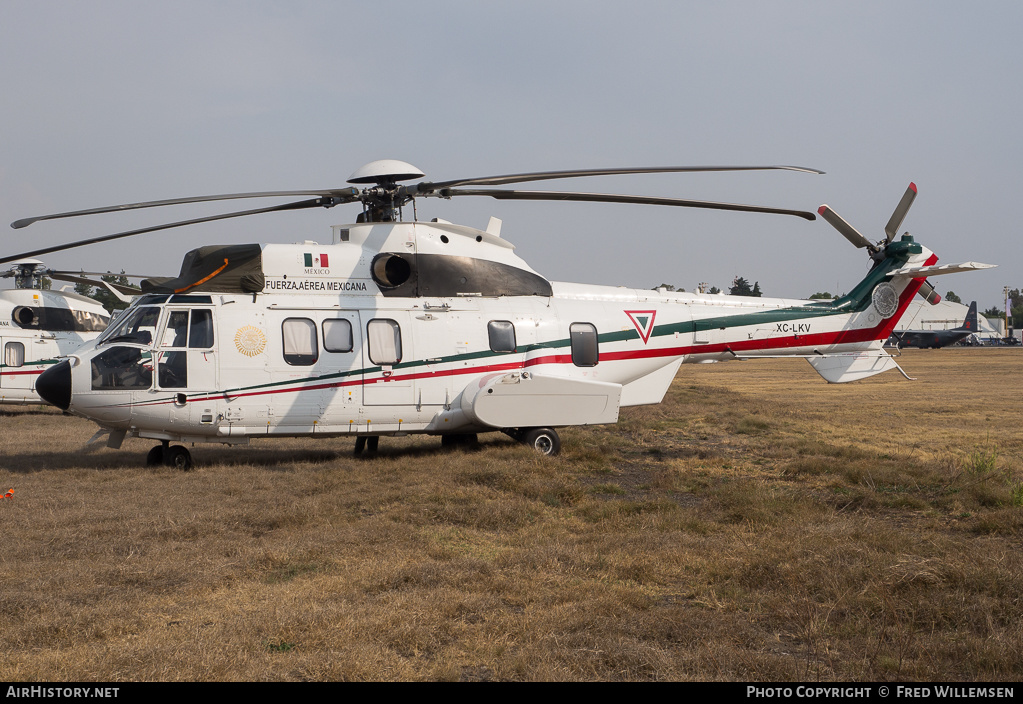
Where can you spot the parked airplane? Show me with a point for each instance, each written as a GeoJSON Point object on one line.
{"type": "Point", "coordinates": [402, 327]}
{"type": "Point", "coordinates": [938, 338]}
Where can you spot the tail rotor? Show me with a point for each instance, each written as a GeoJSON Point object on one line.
{"type": "Point", "coordinates": [877, 250]}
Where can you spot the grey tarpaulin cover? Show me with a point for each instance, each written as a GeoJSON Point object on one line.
{"type": "Point", "coordinates": [220, 268]}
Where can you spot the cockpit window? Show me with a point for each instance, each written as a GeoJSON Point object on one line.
{"type": "Point", "coordinates": [176, 334]}
{"type": "Point", "coordinates": [122, 368]}
{"type": "Point", "coordinates": [200, 329]}
{"type": "Point", "coordinates": [192, 329]}
{"type": "Point", "coordinates": [136, 326]}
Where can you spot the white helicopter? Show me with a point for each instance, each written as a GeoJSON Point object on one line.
{"type": "Point", "coordinates": [401, 326]}
{"type": "Point", "coordinates": [40, 325]}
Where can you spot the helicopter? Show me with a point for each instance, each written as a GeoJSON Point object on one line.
{"type": "Point", "coordinates": [39, 325]}
{"type": "Point", "coordinates": [401, 326]}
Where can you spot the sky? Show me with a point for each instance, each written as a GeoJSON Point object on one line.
{"type": "Point", "coordinates": [108, 102]}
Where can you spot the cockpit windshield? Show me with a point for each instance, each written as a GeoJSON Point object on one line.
{"type": "Point", "coordinates": [136, 326]}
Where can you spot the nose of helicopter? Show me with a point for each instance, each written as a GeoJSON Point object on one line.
{"type": "Point", "coordinates": [54, 385]}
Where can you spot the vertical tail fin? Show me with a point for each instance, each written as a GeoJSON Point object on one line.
{"type": "Point", "coordinates": [971, 319]}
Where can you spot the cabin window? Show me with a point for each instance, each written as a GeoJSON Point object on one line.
{"type": "Point", "coordinates": [502, 336]}
{"type": "Point", "coordinates": [337, 335]}
{"type": "Point", "coordinates": [300, 345]}
{"type": "Point", "coordinates": [384, 337]}
{"type": "Point", "coordinates": [14, 354]}
{"type": "Point", "coordinates": [584, 345]}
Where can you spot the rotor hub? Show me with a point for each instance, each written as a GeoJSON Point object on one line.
{"type": "Point", "coordinates": [385, 171]}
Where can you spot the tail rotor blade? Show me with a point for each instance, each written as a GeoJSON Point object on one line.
{"type": "Point", "coordinates": [892, 228]}
{"type": "Point", "coordinates": [847, 230]}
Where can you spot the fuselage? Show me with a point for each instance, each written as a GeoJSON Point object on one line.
{"type": "Point", "coordinates": [425, 327]}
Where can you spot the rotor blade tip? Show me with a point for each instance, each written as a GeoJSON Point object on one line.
{"type": "Point", "coordinates": [822, 209]}
{"type": "Point", "coordinates": [912, 186]}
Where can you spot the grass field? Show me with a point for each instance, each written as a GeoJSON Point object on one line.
{"type": "Point", "coordinates": [757, 525]}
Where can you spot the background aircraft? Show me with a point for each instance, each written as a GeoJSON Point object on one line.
{"type": "Point", "coordinates": [938, 338]}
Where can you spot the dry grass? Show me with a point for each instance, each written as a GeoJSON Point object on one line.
{"type": "Point", "coordinates": [759, 524]}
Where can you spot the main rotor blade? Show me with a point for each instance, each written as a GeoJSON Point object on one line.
{"type": "Point", "coordinates": [315, 202]}
{"type": "Point", "coordinates": [55, 272]}
{"type": "Point", "coordinates": [428, 187]}
{"type": "Point", "coordinates": [892, 228]}
{"type": "Point", "coordinates": [129, 290]}
{"type": "Point", "coordinates": [612, 198]}
{"type": "Point", "coordinates": [850, 232]}
{"type": "Point", "coordinates": [346, 195]}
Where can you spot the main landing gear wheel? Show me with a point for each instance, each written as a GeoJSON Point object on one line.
{"type": "Point", "coordinates": [170, 456]}
{"type": "Point", "coordinates": [466, 440]}
{"type": "Point", "coordinates": [543, 440]}
{"type": "Point", "coordinates": [178, 457]}
{"type": "Point", "coordinates": [368, 444]}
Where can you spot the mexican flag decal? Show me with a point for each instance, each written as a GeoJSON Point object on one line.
{"type": "Point", "coordinates": [644, 322]}
{"type": "Point", "coordinates": [317, 260]}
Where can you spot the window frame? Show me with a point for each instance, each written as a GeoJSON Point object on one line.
{"type": "Point", "coordinates": [579, 335]}
{"type": "Point", "coordinates": [397, 339]}
{"type": "Point", "coordinates": [326, 337]}
{"type": "Point", "coordinates": [11, 349]}
{"type": "Point", "coordinates": [299, 359]}
{"type": "Point", "coordinates": [492, 329]}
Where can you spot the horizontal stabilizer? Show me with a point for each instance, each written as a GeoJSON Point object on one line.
{"type": "Point", "coordinates": [853, 366]}
{"type": "Point", "coordinates": [918, 272]}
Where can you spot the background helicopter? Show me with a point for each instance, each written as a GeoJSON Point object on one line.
{"type": "Point", "coordinates": [404, 327]}
{"type": "Point", "coordinates": [38, 324]}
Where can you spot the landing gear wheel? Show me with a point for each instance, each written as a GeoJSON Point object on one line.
{"type": "Point", "coordinates": [543, 440]}
{"type": "Point", "coordinates": [178, 457]}
{"type": "Point", "coordinates": [366, 443]}
{"type": "Point", "coordinates": [155, 456]}
{"type": "Point", "coordinates": [467, 440]}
